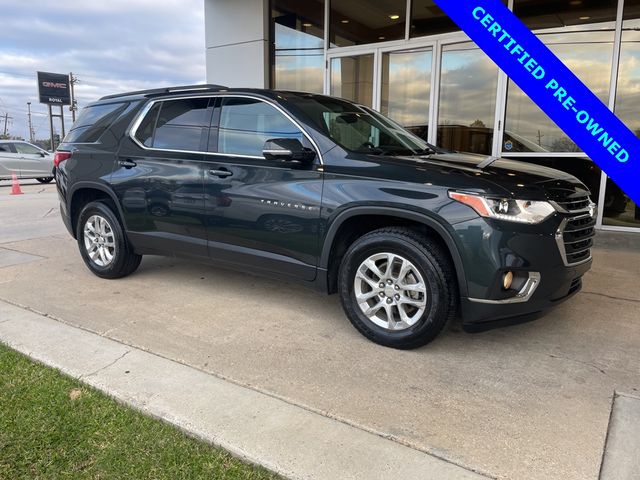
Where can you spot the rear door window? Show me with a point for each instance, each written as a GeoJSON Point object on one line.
{"type": "Point", "coordinates": [93, 121]}
{"type": "Point", "coordinates": [181, 124]}
{"type": "Point", "coordinates": [7, 148]}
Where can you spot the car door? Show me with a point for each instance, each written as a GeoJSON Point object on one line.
{"type": "Point", "coordinates": [34, 163]}
{"type": "Point", "coordinates": [263, 214]}
{"type": "Point", "coordinates": [158, 177]}
{"type": "Point", "coordinates": [9, 160]}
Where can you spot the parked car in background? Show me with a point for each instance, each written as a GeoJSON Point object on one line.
{"type": "Point", "coordinates": [25, 160]}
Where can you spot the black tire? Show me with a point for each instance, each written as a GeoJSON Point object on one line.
{"type": "Point", "coordinates": [433, 265]}
{"type": "Point", "coordinates": [124, 261]}
{"type": "Point", "coordinates": [45, 179]}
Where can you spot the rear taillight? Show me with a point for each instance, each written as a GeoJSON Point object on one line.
{"type": "Point", "coordinates": [60, 157]}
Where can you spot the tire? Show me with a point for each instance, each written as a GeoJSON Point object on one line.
{"type": "Point", "coordinates": [45, 179]}
{"type": "Point", "coordinates": [426, 309]}
{"type": "Point", "coordinates": [117, 258]}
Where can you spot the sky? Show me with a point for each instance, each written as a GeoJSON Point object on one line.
{"type": "Point", "coordinates": [110, 46]}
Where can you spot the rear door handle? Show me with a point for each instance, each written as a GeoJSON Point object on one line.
{"type": "Point", "coordinates": [128, 163]}
{"type": "Point", "coordinates": [223, 172]}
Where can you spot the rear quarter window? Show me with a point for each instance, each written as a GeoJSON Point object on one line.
{"type": "Point", "coordinates": [93, 121]}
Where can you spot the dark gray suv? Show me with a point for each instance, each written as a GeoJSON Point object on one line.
{"type": "Point", "coordinates": [321, 191]}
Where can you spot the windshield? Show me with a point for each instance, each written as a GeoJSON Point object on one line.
{"type": "Point", "coordinates": [360, 129]}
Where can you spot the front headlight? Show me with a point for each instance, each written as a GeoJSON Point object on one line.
{"type": "Point", "coordinates": [508, 209]}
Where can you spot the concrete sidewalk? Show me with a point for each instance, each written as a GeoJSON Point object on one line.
{"type": "Point", "coordinates": [261, 429]}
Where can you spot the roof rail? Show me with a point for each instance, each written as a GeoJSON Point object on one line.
{"type": "Point", "coordinates": [160, 91]}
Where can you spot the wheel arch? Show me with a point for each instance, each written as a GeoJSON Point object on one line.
{"type": "Point", "coordinates": [85, 192]}
{"type": "Point", "coordinates": [432, 225]}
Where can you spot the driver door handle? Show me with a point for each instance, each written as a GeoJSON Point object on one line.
{"type": "Point", "coordinates": [128, 163]}
{"type": "Point", "coordinates": [220, 173]}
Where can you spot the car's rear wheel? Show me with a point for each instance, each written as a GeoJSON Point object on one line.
{"type": "Point", "coordinates": [397, 287]}
{"type": "Point", "coordinates": [102, 243]}
{"type": "Point", "coordinates": [45, 179]}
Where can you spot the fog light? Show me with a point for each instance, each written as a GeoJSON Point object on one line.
{"type": "Point", "coordinates": [507, 280]}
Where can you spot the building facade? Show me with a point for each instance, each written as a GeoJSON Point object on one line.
{"type": "Point", "coordinates": [406, 59]}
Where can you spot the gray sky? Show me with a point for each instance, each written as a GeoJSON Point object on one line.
{"type": "Point", "coordinates": [110, 45]}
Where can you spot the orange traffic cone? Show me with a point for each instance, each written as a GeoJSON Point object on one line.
{"type": "Point", "coordinates": [15, 185]}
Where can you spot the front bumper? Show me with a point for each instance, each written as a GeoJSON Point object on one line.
{"type": "Point", "coordinates": [553, 289]}
{"type": "Point", "coordinates": [489, 249]}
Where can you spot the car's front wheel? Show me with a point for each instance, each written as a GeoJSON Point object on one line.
{"type": "Point", "coordinates": [397, 287]}
{"type": "Point", "coordinates": [102, 243]}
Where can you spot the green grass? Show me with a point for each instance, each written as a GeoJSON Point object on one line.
{"type": "Point", "coordinates": [54, 427]}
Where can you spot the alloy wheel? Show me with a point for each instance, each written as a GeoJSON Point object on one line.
{"type": "Point", "coordinates": [390, 291]}
{"type": "Point", "coordinates": [99, 240]}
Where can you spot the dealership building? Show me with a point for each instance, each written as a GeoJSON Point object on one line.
{"type": "Point", "coordinates": [408, 60]}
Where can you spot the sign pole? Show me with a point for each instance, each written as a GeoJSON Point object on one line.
{"type": "Point", "coordinates": [74, 105]}
{"type": "Point", "coordinates": [62, 120]}
{"type": "Point", "coordinates": [51, 127]}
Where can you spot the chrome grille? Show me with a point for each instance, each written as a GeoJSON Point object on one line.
{"type": "Point", "coordinates": [575, 238]}
{"type": "Point", "coordinates": [574, 204]}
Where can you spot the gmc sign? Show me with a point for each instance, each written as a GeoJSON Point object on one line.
{"type": "Point", "coordinates": [53, 88]}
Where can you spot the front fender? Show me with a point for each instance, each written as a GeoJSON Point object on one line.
{"type": "Point", "coordinates": [429, 220]}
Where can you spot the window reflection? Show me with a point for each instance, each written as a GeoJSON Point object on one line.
{"type": "Point", "coordinates": [352, 78]}
{"type": "Point", "coordinates": [581, 33]}
{"type": "Point", "coordinates": [366, 21]}
{"type": "Point", "coordinates": [467, 99]}
{"type": "Point", "coordinates": [406, 87]}
{"type": "Point", "coordinates": [619, 208]}
{"type": "Point", "coordinates": [298, 50]}
{"type": "Point", "coordinates": [589, 56]}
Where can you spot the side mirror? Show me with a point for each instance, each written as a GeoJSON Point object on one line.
{"type": "Point", "coordinates": [42, 154]}
{"type": "Point", "coordinates": [287, 149]}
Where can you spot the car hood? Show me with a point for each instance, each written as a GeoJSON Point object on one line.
{"type": "Point", "coordinates": [495, 176]}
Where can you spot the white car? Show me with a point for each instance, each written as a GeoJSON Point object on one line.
{"type": "Point", "coordinates": [25, 160]}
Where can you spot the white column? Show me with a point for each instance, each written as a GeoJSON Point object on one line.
{"type": "Point", "coordinates": [237, 42]}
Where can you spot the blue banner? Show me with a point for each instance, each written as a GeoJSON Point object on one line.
{"type": "Point", "coordinates": [553, 87]}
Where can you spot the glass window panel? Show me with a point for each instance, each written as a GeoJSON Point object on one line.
{"type": "Point", "coordinates": [144, 133]}
{"type": "Point", "coordinates": [246, 124]}
{"type": "Point", "coordinates": [27, 149]}
{"type": "Point", "coordinates": [298, 48]}
{"type": "Point", "coordinates": [93, 121]}
{"type": "Point", "coordinates": [539, 14]}
{"type": "Point", "coordinates": [406, 89]}
{"type": "Point", "coordinates": [428, 19]}
{"type": "Point", "coordinates": [527, 127]}
{"type": "Point", "coordinates": [175, 137]}
{"type": "Point", "coordinates": [357, 22]}
{"type": "Point", "coordinates": [190, 112]}
{"type": "Point", "coordinates": [619, 209]}
{"type": "Point", "coordinates": [181, 124]}
{"type": "Point", "coordinates": [467, 99]}
{"type": "Point", "coordinates": [352, 78]}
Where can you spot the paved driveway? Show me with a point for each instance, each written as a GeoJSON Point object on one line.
{"type": "Point", "coordinates": [530, 401]}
